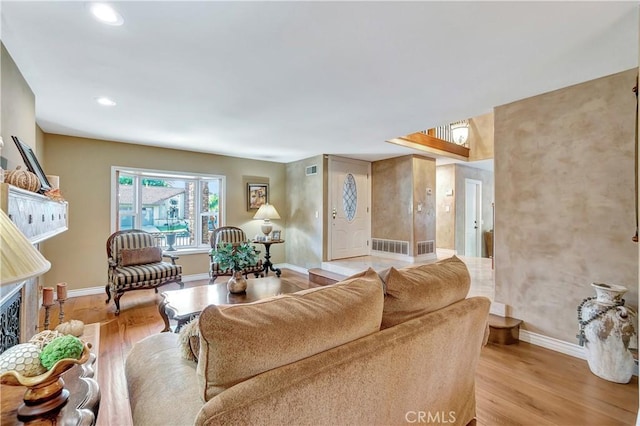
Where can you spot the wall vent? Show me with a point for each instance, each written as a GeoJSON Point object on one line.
{"type": "Point", "coordinates": [426, 247]}
{"type": "Point", "coordinates": [390, 246]}
{"type": "Point", "coordinates": [311, 170]}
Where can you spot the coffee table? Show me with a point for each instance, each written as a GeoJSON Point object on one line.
{"type": "Point", "coordinates": [186, 304]}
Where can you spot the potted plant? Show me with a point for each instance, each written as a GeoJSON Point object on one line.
{"type": "Point", "coordinates": [173, 224]}
{"type": "Point", "coordinates": [235, 258]}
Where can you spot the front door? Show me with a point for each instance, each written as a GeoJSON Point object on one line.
{"type": "Point", "coordinates": [349, 207]}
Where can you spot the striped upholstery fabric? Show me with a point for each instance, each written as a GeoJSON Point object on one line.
{"type": "Point", "coordinates": [134, 277]}
{"type": "Point", "coordinates": [227, 235]}
{"type": "Point", "coordinates": [235, 236]}
{"type": "Point", "coordinates": [143, 275]}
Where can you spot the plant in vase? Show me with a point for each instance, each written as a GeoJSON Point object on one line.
{"type": "Point", "coordinates": [235, 258]}
{"type": "Point", "coordinates": [173, 225]}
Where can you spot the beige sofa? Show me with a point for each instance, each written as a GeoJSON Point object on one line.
{"type": "Point", "coordinates": [321, 357]}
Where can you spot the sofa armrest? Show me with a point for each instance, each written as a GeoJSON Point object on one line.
{"type": "Point", "coordinates": [112, 263]}
{"type": "Point", "coordinates": [173, 257]}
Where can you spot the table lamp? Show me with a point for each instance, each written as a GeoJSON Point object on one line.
{"type": "Point", "coordinates": [266, 212]}
{"type": "Point", "coordinates": [19, 258]}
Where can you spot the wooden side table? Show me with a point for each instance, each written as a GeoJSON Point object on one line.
{"type": "Point", "coordinates": [267, 265]}
{"type": "Point", "coordinates": [84, 393]}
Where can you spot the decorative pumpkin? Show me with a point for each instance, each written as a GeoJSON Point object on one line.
{"type": "Point", "coordinates": [23, 179]}
{"type": "Point", "coordinates": [73, 327]}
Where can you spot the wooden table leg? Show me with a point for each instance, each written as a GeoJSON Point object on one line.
{"type": "Point", "coordinates": [163, 315]}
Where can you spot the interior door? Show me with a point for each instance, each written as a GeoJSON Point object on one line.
{"type": "Point", "coordinates": [349, 212]}
{"type": "Point", "coordinates": [473, 218]}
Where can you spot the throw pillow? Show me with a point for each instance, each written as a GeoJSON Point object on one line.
{"type": "Point", "coordinates": [238, 342]}
{"type": "Point", "coordinates": [190, 340]}
{"type": "Point", "coordinates": [411, 292]}
{"type": "Point", "coordinates": [140, 256]}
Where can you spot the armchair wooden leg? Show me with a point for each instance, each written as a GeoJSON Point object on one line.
{"type": "Point", "coordinates": [116, 300]}
{"type": "Point", "coordinates": [181, 284]}
{"type": "Point", "coordinates": [106, 289]}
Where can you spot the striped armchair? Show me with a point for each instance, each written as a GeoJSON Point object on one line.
{"type": "Point", "coordinates": [235, 236]}
{"type": "Point", "coordinates": [135, 263]}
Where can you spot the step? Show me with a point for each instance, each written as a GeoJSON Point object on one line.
{"type": "Point", "coordinates": [504, 330]}
{"type": "Point", "coordinates": [321, 277]}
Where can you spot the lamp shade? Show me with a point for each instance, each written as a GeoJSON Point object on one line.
{"type": "Point", "coordinates": [267, 211]}
{"type": "Point", "coordinates": [19, 259]}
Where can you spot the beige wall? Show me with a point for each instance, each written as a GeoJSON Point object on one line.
{"type": "Point", "coordinates": [398, 186]}
{"type": "Point", "coordinates": [305, 212]}
{"type": "Point", "coordinates": [424, 219]}
{"type": "Point", "coordinates": [481, 137]}
{"type": "Point", "coordinates": [392, 199]}
{"type": "Point", "coordinates": [84, 165]}
{"type": "Point", "coordinates": [18, 116]}
{"type": "Point", "coordinates": [445, 220]}
{"type": "Point", "coordinates": [564, 168]}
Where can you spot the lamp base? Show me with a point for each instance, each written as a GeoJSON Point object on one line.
{"type": "Point", "coordinates": [266, 228]}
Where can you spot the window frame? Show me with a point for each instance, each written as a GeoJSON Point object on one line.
{"type": "Point", "coordinates": [140, 173]}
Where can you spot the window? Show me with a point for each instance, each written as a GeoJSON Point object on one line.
{"type": "Point", "coordinates": [180, 209]}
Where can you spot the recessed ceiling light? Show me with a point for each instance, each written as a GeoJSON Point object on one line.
{"type": "Point", "coordinates": [105, 101]}
{"type": "Point", "coordinates": [106, 14]}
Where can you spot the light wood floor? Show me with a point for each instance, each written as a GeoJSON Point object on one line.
{"type": "Point", "coordinates": [516, 385]}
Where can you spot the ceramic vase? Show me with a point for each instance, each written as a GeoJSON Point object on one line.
{"type": "Point", "coordinates": [237, 283]}
{"type": "Point", "coordinates": [608, 333]}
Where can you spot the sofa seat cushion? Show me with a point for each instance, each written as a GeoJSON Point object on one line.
{"type": "Point", "coordinates": [153, 273]}
{"type": "Point", "coordinates": [163, 389]}
{"type": "Point", "coordinates": [414, 291]}
{"type": "Point", "coordinates": [238, 342]}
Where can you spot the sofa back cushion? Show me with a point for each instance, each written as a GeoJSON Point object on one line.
{"type": "Point", "coordinates": [411, 292]}
{"type": "Point", "coordinates": [140, 256]}
{"type": "Point", "coordinates": [238, 342]}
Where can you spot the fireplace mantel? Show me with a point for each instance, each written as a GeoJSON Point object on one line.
{"type": "Point", "coordinates": [39, 218]}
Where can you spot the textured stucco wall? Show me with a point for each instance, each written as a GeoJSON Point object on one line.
{"type": "Point", "coordinates": [564, 167]}
{"type": "Point", "coordinates": [445, 220]}
{"type": "Point", "coordinates": [84, 165]}
{"type": "Point", "coordinates": [424, 221]}
{"type": "Point", "coordinates": [18, 117]}
{"type": "Point", "coordinates": [392, 199]}
{"type": "Point", "coordinates": [305, 213]}
{"type": "Point", "coordinates": [487, 179]}
{"type": "Point", "coordinates": [481, 137]}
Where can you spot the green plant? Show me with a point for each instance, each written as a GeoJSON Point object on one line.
{"type": "Point", "coordinates": [60, 348]}
{"type": "Point", "coordinates": [233, 257]}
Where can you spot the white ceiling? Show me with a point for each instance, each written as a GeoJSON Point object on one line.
{"type": "Point", "coordinates": [283, 81]}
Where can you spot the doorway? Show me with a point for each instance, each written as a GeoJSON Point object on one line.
{"type": "Point", "coordinates": [473, 218]}
{"type": "Point", "coordinates": [349, 208]}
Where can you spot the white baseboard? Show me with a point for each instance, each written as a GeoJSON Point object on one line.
{"type": "Point", "coordinates": [295, 268]}
{"type": "Point", "coordinates": [561, 346]}
{"type": "Point", "coordinates": [90, 291]}
{"type": "Point", "coordinates": [195, 277]}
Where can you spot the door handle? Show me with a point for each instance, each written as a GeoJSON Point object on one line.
{"type": "Point", "coordinates": [333, 213]}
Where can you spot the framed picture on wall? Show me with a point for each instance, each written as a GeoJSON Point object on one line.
{"type": "Point", "coordinates": [32, 163]}
{"type": "Point", "coordinates": [257, 195]}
